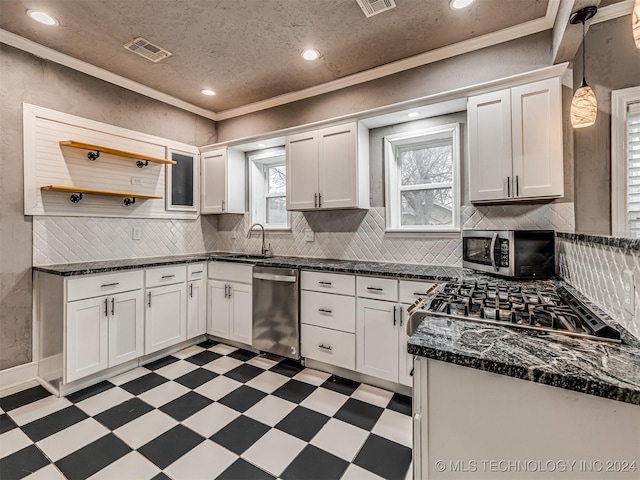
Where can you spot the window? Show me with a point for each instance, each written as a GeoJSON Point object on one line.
{"type": "Point", "coordinates": [182, 189]}
{"type": "Point", "coordinates": [625, 162]}
{"type": "Point", "coordinates": [269, 189]}
{"type": "Point", "coordinates": [422, 180]}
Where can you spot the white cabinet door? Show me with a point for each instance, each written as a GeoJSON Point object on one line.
{"type": "Point", "coordinates": [218, 309]}
{"type": "Point", "coordinates": [214, 181]}
{"type": "Point", "coordinates": [183, 182]}
{"type": "Point", "coordinates": [377, 339]}
{"type": "Point", "coordinates": [166, 317]}
{"type": "Point", "coordinates": [490, 164]}
{"type": "Point", "coordinates": [337, 166]}
{"type": "Point", "coordinates": [126, 327]}
{"type": "Point", "coordinates": [86, 337]}
{"type": "Point", "coordinates": [241, 321]}
{"type": "Point", "coordinates": [536, 122]}
{"type": "Point", "coordinates": [196, 309]}
{"type": "Point", "coordinates": [302, 171]}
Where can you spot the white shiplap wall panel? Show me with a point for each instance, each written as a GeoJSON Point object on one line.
{"type": "Point", "coordinates": [48, 163]}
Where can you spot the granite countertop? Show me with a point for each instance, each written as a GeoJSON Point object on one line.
{"type": "Point", "coordinates": [409, 271]}
{"type": "Point", "coordinates": [588, 366]}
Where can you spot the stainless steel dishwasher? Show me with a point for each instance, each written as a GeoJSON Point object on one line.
{"type": "Point", "coordinates": [276, 312]}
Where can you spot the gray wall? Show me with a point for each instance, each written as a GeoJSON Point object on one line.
{"type": "Point", "coordinates": [510, 58]}
{"type": "Point", "coordinates": [26, 78]}
{"type": "Point", "coordinates": [612, 63]}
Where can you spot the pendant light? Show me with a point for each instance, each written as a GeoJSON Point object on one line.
{"type": "Point", "coordinates": [584, 106]}
{"type": "Point", "coordinates": [635, 22]}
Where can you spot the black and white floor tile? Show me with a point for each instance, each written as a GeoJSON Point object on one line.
{"type": "Point", "coordinates": [209, 412]}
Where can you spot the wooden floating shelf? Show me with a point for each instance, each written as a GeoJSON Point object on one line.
{"type": "Point", "coordinates": [114, 151]}
{"type": "Point", "coordinates": [77, 192]}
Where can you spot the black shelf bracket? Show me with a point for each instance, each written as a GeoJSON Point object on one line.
{"type": "Point", "coordinates": [129, 201]}
{"type": "Point", "coordinates": [142, 164]}
{"type": "Point", "coordinates": [75, 197]}
{"type": "Point", "coordinates": [93, 155]}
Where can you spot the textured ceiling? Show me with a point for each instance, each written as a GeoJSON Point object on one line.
{"type": "Point", "coordinates": [249, 50]}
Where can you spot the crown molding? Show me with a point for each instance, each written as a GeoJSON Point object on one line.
{"type": "Point", "coordinates": [47, 53]}
{"type": "Point", "coordinates": [490, 39]}
{"type": "Point", "coordinates": [614, 11]}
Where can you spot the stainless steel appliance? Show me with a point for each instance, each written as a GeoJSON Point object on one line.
{"type": "Point", "coordinates": [276, 316]}
{"type": "Point", "coordinates": [510, 253]}
{"type": "Point", "coordinates": [541, 306]}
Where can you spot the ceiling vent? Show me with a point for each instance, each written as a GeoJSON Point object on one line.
{"type": "Point", "coordinates": [148, 50]}
{"type": "Point", "coordinates": [374, 7]}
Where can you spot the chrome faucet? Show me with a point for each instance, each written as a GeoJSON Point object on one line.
{"type": "Point", "coordinates": [266, 250]}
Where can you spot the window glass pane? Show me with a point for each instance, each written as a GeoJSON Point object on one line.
{"type": "Point", "coordinates": [276, 211]}
{"type": "Point", "coordinates": [426, 164]}
{"type": "Point", "coordinates": [182, 180]}
{"type": "Point", "coordinates": [427, 207]}
{"type": "Point", "coordinates": [277, 179]}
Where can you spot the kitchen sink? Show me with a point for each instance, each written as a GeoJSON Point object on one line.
{"type": "Point", "coordinates": [415, 320]}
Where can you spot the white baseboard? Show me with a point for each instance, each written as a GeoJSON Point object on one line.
{"type": "Point", "coordinates": [18, 378]}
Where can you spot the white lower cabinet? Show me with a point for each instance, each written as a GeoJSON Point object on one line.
{"type": "Point", "coordinates": [230, 300]}
{"type": "Point", "coordinates": [327, 332]}
{"type": "Point", "coordinates": [166, 307]}
{"type": "Point", "coordinates": [103, 331]}
{"type": "Point", "coordinates": [196, 301]}
{"type": "Point", "coordinates": [377, 332]}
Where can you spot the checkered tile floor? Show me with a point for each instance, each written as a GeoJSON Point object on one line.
{"type": "Point", "coordinates": [209, 411]}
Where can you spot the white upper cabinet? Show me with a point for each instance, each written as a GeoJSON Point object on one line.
{"type": "Point", "coordinates": [328, 168]}
{"type": "Point", "coordinates": [222, 181]}
{"type": "Point", "coordinates": [515, 143]}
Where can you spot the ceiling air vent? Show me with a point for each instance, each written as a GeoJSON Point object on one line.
{"type": "Point", "coordinates": [147, 49]}
{"type": "Point", "coordinates": [373, 7]}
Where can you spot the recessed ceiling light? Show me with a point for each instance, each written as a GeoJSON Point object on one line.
{"type": "Point", "coordinates": [460, 4]}
{"type": "Point", "coordinates": [413, 114]}
{"type": "Point", "coordinates": [206, 91]}
{"type": "Point", "coordinates": [262, 145]}
{"type": "Point", "coordinates": [42, 17]}
{"type": "Point", "coordinates": [311, 54]}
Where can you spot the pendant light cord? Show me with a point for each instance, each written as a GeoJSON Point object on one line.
{"type": "Point", "coordinates": [584, 63]}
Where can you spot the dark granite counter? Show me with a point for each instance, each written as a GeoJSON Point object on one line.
{"type": "Point", "coordinates": [619, 242]}
{"type": "Point", "coordinates": [409, 271]}
{"type": "Point", "coordinates": [593, 367]}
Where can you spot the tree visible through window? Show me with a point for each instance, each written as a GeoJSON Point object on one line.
{"type": "Point", "coordinates": [422, 170]}
{"type": "Point", "coordinates": [276, 195]}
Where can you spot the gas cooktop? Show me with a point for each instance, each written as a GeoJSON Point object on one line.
{"type": "Point", "coordinates": [534, 305]}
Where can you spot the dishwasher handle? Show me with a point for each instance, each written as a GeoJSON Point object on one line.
{"type": "Point", "coordinates": [276, 278]}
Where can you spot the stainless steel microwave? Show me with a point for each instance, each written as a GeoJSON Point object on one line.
{"type": "Point", "coordinates": [510, 253]}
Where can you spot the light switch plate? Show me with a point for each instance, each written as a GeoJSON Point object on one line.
{"type": "Point", "coordinates": [629, 291]}
{"type": "Point", "coordinates": [136, 234]}
{"type": "Point", "coordinates": [308, 235]}
{"type": "Point", "coordinates": [136, 181]}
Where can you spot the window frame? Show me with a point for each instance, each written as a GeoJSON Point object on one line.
{"type": "Point", "coordinates": [259, 163]}
{"type": "Point", "coordinates": [393, 145]}
{"type": "Point", "coordinates": [620, 100]}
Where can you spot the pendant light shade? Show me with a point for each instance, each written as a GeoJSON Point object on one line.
{"type": "Point", "coordinates": [635, 22]}
{"type": "Point", "coordinates": [584, 106]}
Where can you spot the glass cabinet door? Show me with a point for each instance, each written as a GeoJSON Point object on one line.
{"type": "Point", "coordinates": [183, 182]}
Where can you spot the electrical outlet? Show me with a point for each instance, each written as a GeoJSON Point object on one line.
{"type": "Point", "coordinates": [136, 181]}
{"type": "Point", "coordinates": [136, 234]}
{"type": "Point", "coordinates": [629, 291]}
{"type": "Point", "coordinates": [308, 235]}
{"type": "Point", "coordinates": [233, 235]}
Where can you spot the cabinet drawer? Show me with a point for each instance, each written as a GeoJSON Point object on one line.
{"type": "Point", "coordinates": [328, 282]}
{"type": "Point", "coordinates": [104, 284]}
{"type": "Point", "coordinates": [329, 346]}
{"type": "Point", "coordinates": [378, 288]}
{"type": "Point", "coordinates": [196, 271]}
{"type": "Point", "coordinates": [327, 310]}
{"type": "Point", "coordinates": [231, 272]}
{"type": "Point", "coordinates": [165, 275]}
{"type": "Point", "coordinates": [409, 290]}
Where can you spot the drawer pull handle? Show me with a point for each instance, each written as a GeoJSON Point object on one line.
{"type": "Point", "coordinates": [375, 289]}
{"type": "Point", "coordinates": [113, 284]}
{"type": "Point", "coordinates": [324, 310]}
{"type": "Point", "coordinates": [325, 283]}
{"type": "Point", "coordinates": [199, 271]}
{"type": "Point", "coordinates": [326, 347]}
{"type": "Point", "coordinates": [168, 276]}
{"type": "Point", "coordinates": [417, 294]}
